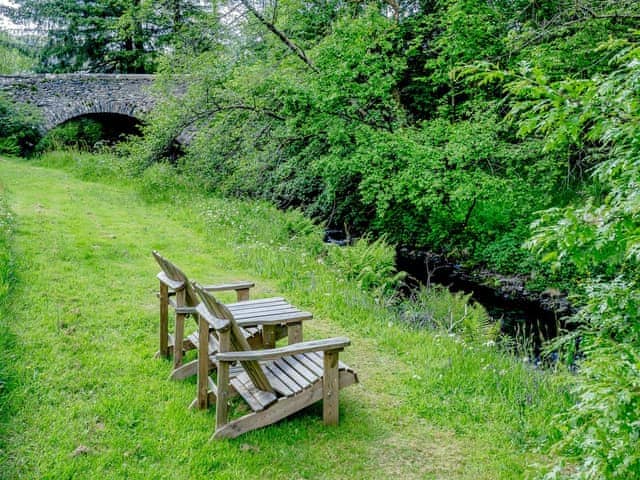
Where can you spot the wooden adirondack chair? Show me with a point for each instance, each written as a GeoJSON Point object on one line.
{"type": "Point", "coordinates": [264, 321]}
{"type": "Point", "coordinates": [275, 383]}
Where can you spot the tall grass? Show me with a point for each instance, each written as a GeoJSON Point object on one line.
{"type": "Point", "coordinates": [103, 167]}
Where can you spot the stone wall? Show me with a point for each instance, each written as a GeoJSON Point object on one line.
{"type": "Point", "coordinates": [61, 97]}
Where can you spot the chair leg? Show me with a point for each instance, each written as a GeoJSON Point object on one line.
{"type": "Point", "coordinates": [269, 336]}
{"type": "Point", "coordinates": [330, 388]}
{"type": "Point", "coordinates": [242, 294]}
{"type": "Point", "coordinates": [178, 345]}
{"type": "Point", "coordinates": [223, 386]}
{"type": "Point", "coordinates": [178, 334]}
{"type": "Point", "coordinates": [294, 333]}
{"type": "Point", "coordinates": [164, 321]}
{"type": "Point", "coordinates": [222, 397]}
{"type": "Point", "coordinates": [203, 364]}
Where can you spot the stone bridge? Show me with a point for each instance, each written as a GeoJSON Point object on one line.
{"type": "Point", "coordinates": [61, 97]}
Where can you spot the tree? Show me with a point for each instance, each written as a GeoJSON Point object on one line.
{"type": "Point", "coordinates": [119, 36]}
{"type": "Point", "coordinates": [598, 237]}
{"type": "Point", "coordinates": [14, 56]}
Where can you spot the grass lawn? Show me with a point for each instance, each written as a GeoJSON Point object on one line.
{"type": "Point", "coordinates": [84, 397]}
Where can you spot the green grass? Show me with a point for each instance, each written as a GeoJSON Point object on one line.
{"type": "Point", "coordinates": [84, 397]}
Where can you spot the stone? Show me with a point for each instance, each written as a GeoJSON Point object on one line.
{"type": "Point", "coordinates": [61, 97]}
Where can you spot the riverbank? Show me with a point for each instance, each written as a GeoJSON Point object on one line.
{"type": "Point", "coordinates": [84, 397]}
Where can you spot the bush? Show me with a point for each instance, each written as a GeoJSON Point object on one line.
{"type": "Point", "coordinates": [160, 183]}
{"type": "Point", "coordinates": [370, 263]}
{"type": "Point", "coordinates": [81, 134]}
{"type": "Point", "coordinates": [19, 128]}
{"type": "Point", "coordinates": [598, 238]}
{"type": "Point", "coordinates": [601, 430]}
{"type": "Point", "coordinates": [15, 57]}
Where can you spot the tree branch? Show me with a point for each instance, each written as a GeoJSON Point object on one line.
{"type": "Point", "coordinates": [280, 34]}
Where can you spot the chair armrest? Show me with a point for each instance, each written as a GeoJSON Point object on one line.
{"type": "Point", "coordinates": [183, 310]}
{"type": "Point", "coordinates": [219, 324]}
{"type": "Point", "coordinates": [276, 319]}
{"type": "Point", "coordinates": [175, 285]}
{"type": "Point", "coordinates": [228, 286]}
{"type": "Point", "coordinates": [337, 343]}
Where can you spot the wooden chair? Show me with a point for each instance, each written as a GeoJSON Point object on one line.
{"type": "Point", "coordinates": [275, 383]}
{"type": "Point", "coordinates": [264, 321]}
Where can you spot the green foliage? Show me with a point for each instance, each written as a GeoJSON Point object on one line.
{"type": "Point", "coordinates": [82, 134]}
{"type": "Point", "coordinates": [600, 432]}
{"type": "Point", "coordinates": [14, 56]}
{"type": "Point", "coordinates": [345, 143]}
{"type": "Point", "coordinates": [600, 235]}
{"type": "Point", "coordinates": [437, 309]}
{"type": "Point", "coordinates": [19, 130]}
{"type": "Point", "coordinates": [115, 36]}
{"type": "Point", "coordinates": [18, 124]}
{"type": "Point", "coordinates": [599, 238]}
{"type": "Point", "coordinates": [370, 263]}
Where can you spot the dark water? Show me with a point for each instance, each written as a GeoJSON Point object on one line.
{"type": "Point", "coordinates": [527, 317]}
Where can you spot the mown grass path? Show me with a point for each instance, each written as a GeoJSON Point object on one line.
{"type": "Point", "coordinates": [86, 398]}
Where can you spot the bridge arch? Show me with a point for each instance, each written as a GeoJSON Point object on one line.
{"type": "Point", "coordinates": [103, 127]}
{"type": "Point", "coordinates": [62, 97]}
{"type": "Point", "coordinates": [55, 118]}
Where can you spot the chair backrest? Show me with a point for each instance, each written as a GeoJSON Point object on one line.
{"type": "Point", "coordinates": [237, 341]}
{"type": "Point", "coordinates": [177, 275]}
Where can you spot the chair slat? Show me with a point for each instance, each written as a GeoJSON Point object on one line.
{"type": "Point", "coordinates": [311, 363]}
{"type": "Point", "coordinates": [257, 399]}
{"type": "Point", "coordinates": [275, 319]}
{"type": "Point", "coordinates": [278, 384]}
{"type": "Point", "coordinates": [301, 369]}
{"type": "Point", "coordinates": [291, 373]}
{"type": "Point", "coordinates": [252, 303]}
{"type": "Point", "coordinates": [268, 310]}
{"type": "Point", "coordinates": [237, 339]}
{"type": "Point", "coordinates": [341, 365]}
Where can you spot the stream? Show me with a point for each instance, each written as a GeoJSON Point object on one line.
{"type": "Point", "coordinates": [532, 317]}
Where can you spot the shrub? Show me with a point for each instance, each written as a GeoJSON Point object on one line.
{"type": "Point", "coordinates": [599, 238]}
{"type": "Point", "coordinates": [159, 183]}
{"type": "Point", "coordinates": [601, 430]}
{"type": "Point", "coordinates": [370, 263]}
{"type": "Point", "coordinates": [19, 128]}
{"type": "Point", "coordinates": [80, 134]}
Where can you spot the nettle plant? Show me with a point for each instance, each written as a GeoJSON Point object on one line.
{"type": "Point", "coordinates": [600, 239]}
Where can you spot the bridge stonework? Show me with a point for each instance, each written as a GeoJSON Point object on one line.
{"type": "Point", "coordinates": [61, 97]}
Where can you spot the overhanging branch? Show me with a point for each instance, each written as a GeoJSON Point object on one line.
{"type": "Point", "coordinates": [280, 34]}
